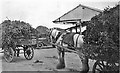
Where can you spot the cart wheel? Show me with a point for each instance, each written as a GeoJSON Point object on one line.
{"type": "Point", "coordinates": [8, 54]}
{"type": "Point", "coordinates": [29, 53]}
{"type": "Point", "coordinates": [105, 67]}
{"type": "Point", "coordinates": [40, 44]}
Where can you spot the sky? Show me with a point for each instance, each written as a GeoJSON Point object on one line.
{"type": "Point", "coordinates": [43, 12]}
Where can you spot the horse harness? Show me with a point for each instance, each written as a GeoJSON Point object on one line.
{"type": "Point", "coordinates": [77, 40]}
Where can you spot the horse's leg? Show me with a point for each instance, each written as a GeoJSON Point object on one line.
{"type": "Point", "coordinates": [18, 52]}
{"type": "Point", "coordinates": [61, 54]}
{"type": "Point", "coordinates": [84, 60]}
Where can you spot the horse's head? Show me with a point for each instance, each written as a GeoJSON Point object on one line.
{"type": "Point", "coordinates": [52, 34]}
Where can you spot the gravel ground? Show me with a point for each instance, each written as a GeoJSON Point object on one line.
{"type": "Point", "coordinates": [47, 62]}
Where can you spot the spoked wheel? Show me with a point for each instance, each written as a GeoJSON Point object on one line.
{"type": "Point", "coordinates": [8, 54]}
{"type": "Point", "coordinates": [40, 44]}
{"type": "Point", "coordinates": [29, 53]}
{"type": "Point", "coordinates": [105, 67]}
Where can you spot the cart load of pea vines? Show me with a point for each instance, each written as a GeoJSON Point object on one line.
{"type": "Point", "coordinates": [100, 41]}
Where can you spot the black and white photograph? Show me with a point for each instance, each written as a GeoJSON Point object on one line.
{"type": "Point", "coordinates": [59, 36]}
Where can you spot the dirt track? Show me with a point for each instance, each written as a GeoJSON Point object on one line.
{"type": "Point", "coordinates": [48, 61]}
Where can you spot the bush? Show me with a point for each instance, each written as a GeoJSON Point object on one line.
{"type": "Point", "coordinates": [102, 35]}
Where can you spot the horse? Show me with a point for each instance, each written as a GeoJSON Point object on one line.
{"type": "Point", "coordinates": [73, 40]}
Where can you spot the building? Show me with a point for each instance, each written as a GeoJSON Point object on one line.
{"type": "Point", "coordinates": [77, 15]}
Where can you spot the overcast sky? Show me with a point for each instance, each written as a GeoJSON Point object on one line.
{"type": "Point", "coordinates": [43, 12]}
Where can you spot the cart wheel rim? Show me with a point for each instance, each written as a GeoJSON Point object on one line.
{"type": "Point", "coordinates": [28, 53]}
{"type": "Point", "coordinates": [40, 45]}
{"type": "Point", "coordinates": [8, 54]}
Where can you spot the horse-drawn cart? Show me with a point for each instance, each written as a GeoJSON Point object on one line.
{"type": "Point", "coordinates": [105, 55]}
{"type": "Point", "coordinates": [21, 43]}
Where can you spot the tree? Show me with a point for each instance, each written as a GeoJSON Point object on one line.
{"type": "Point", "coordinates": [102, 35]}
{"type": "Point", "coordinates": [12, 30]}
